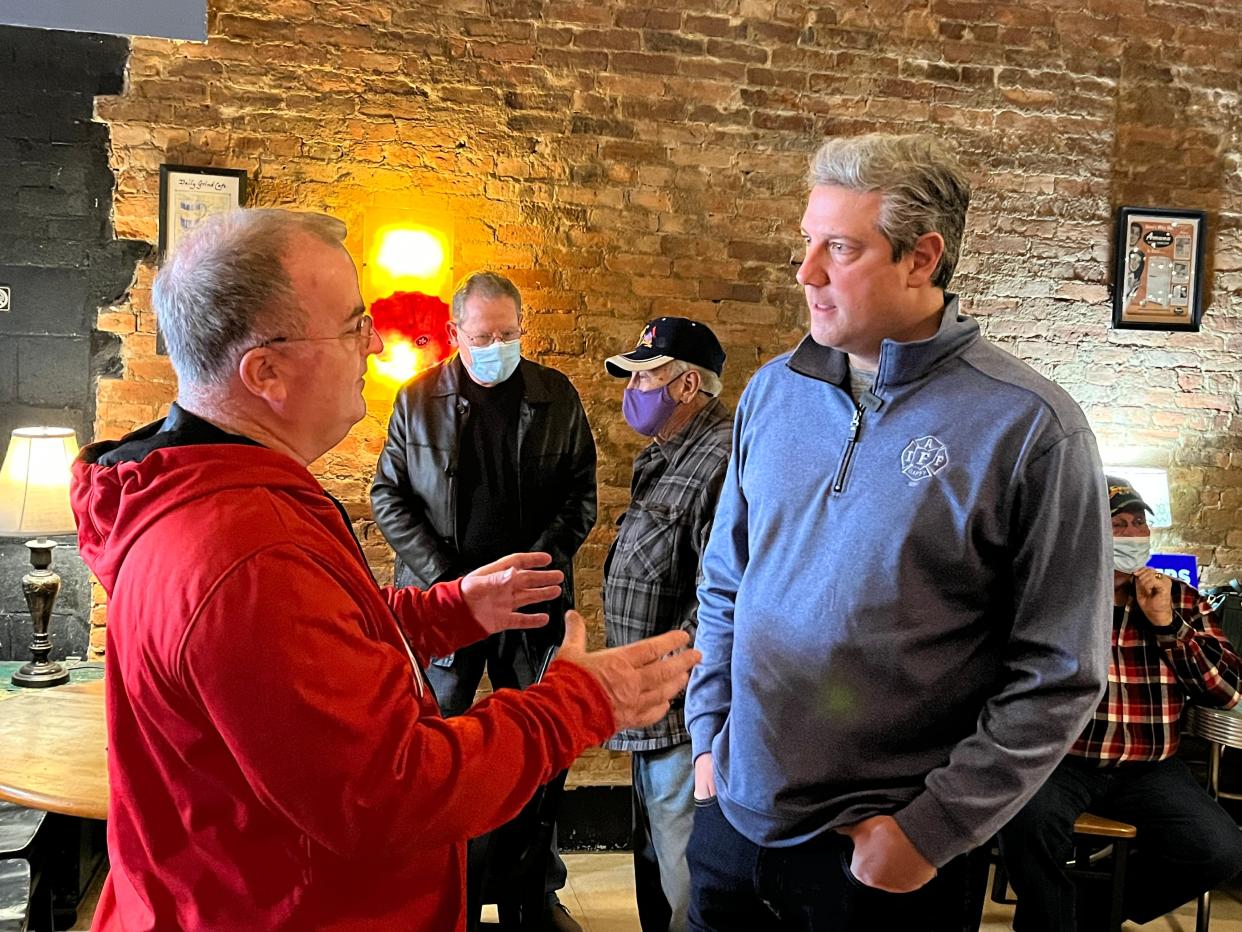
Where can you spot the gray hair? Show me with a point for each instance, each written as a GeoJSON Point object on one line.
{"type": "Point", "coordinates": [709, 382]}
{"type": "Point", "coordinates": [487, 285]}
{"type": "Point", "coordinates": [924, 188]}
{"type": "Point", "coordinates": [225, 288]}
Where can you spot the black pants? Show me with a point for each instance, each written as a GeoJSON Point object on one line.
{"type": "Point", "coordinates": [513, 662]}
{"type": "Point", "coordinates": [1186, 843]}
{"type": "Point", "coordinates": [738, 886]}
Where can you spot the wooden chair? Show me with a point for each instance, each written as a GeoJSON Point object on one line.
{"type": "Point", "coordinates": [1101, 853]}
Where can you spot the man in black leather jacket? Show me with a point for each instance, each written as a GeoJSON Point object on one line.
{"type": "Point", "coordinates": [487, 454]}
{"type": "Point", "coordinates": [530, 489]}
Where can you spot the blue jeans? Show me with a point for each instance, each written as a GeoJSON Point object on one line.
{"type": "Point", "coordinates": [1186, 842]}
{"type": "Point", "coordinates": [663, 818]}
{"type": "Point", "coordinates": [738, 886]}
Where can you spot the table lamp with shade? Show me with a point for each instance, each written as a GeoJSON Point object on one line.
{"type": "Point", "coordinates": [34, 500]}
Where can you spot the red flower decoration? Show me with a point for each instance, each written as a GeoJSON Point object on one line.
{"type": "Point", "coordinates": [416, 317]}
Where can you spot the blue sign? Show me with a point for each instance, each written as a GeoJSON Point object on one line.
{"type": "Point", "coordinates": [1182, 566]}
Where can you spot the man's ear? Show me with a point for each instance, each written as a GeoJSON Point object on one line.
{"type": "Point", "coordinates": [451, 329]}
{"type": "Point", "coordinates": [260, 372]}
{"type": "Point", "coordinates": [925, 259]}
{"type": "Point", "coordinates": [691, 382]}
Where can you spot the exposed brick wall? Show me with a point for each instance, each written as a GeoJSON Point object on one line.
{"type": "Point", "coordinates": [624, 161]}
{"type": "Point", "coordinates": [59, 256]}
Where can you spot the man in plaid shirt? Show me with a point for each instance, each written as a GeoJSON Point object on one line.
{"type": "Point", "coordinates": [1167, 650]}
{"type": "Point", "coordinates": [651, 575]}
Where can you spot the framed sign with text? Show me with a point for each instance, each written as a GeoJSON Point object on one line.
{"type": "Point", "coordinates": [1158, 283]}
{"type": "Point", "coordinates": [189, 194]}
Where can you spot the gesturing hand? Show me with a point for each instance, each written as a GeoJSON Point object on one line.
{"type": "Point", "coordinates": [884, 858]}
{"type": "Point", "coordinates": [494, 592]}
{"type": "Point", "coordinates": [1154, 593]}
{"type": "Point", "coordinates": [640, 678]}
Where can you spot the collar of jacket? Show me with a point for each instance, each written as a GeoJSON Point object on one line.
{"type": "Point", "coordinates": [178, 428]}
{"type": "Point", "coordinates": [899, 362]}
{"type": "Point", "coordinates": [534, 384]}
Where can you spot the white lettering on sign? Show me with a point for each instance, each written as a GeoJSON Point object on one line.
{"type": "Point", "coordinates": [1180, 575]}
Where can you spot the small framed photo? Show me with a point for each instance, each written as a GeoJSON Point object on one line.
{"type": "Point", "coordinates": [189, 194]}
{"type": "Point", "coordinates": [1158, 283]}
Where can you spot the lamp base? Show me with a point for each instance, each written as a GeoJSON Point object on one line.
{"type": "Point", "coordinates": [40, 586]}
{"type": "Point", "coordinates": [38, 675]}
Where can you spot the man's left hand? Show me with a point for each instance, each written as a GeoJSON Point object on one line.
{"type": "Point", "coordinates": [884, 858]}
{"type": "Point", "coordinates": [1154, 594]}
{"type": "Point", "coordinates": [495, 592]}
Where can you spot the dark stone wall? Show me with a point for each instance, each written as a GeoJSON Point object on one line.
{"type": "Point", "coordinates": [59, 257]}
{"type": "Point", "coordinates": [70, 627]}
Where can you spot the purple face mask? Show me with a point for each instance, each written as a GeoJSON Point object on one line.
{"type": "Point", "coordinates": [647, 412]}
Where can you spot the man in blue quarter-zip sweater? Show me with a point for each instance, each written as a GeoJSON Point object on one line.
{"type": "Point", "coordinates": [905, 606]}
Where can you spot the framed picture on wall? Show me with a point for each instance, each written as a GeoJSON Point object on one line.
{"type": "Point", "coordinates": [189, 194]}
{"type": "Point", "coordinates": [1158, 282]}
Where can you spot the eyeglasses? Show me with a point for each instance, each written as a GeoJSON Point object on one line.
{"type": "Point", "coordinates": [487, 339]}
{"type": "Point", "coordinates": [361, 333]}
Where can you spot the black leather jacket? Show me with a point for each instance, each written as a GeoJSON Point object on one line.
{"type": "Point", "coordinates": [414, 496]}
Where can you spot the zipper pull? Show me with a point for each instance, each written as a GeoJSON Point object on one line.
{"type": "Point", "coordinates": [850, 443]}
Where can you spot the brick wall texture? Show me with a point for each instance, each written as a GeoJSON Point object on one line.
{"type": "Point", "coordinates": [623, 160]}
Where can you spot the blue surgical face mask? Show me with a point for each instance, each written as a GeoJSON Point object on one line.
{"type": "Point", "coordinates": [1130, 554]}
{"type": "Point", "coordinates": [492, 364]}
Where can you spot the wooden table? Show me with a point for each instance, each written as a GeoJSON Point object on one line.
{"type": "Point", "coordinates": [52, 750]}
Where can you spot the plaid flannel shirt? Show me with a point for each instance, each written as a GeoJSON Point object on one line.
{"type": "Point", "coordinates": [652, 571]}
{"type": "Point", "coordinates": [1152, 674]}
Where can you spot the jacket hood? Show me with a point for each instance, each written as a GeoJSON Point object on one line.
{"type": "Point", "coordinates": [899, 362]}
{"type": "Point", "coordinates": [119, 488]}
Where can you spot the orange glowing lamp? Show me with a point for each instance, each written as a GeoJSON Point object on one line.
{"type": "Point", "coordinates": [408, 258]}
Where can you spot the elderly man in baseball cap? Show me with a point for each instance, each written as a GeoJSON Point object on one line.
{"type": "Point", "coordinates": [1167, 649]}
{"type": "Point", "coordinates": [651, 574]}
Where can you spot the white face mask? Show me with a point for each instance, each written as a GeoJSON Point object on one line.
{"type": "Point", "coordinates": [1130, 554]}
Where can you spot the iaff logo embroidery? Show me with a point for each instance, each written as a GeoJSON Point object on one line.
{"type": "Point", "coordinates": [647, 338]}
{"type": "Point", "coordinates": [923, 458]}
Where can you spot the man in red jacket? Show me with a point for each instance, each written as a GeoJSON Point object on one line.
{"type": "Point", "coordinates": [276, 758]}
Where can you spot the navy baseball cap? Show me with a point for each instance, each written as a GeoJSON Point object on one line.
{"type": "Point", "coordinates": [665, 339]}
{"type": "Point", "coordinates": [1122, 495]}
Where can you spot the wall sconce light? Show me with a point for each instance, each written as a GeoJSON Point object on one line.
{"type": "Point", "coordinates": [407, 280]}
{"type": "Point", "coordinates": [34, 500]}
{"type": "Point", "coordinates": [407, 250]}
{"type": "Point", "coordinates": [1152, 483]}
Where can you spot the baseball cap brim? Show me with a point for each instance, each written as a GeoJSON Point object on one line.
{"type": "Point", "coordinates": [1129, 501]}
{"type": "Point", "coordinates": [625, 363]}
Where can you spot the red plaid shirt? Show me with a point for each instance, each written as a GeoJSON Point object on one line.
{"type": "Point", "coordinates": [1153, 673]}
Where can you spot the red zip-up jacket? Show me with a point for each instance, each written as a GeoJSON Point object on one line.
{"type": "Point", "coordinates": [276, 759]}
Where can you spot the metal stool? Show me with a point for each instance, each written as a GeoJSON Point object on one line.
{"type": "Point", "coordinates": [1089, 829]}
{"type": "Point", "coordinates": [20, 839]}
{"type": "Point", "coordinates": [14, 895]}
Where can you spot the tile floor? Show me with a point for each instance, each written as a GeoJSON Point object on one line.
{"type": "Point", "coordinates": [600, 895]}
